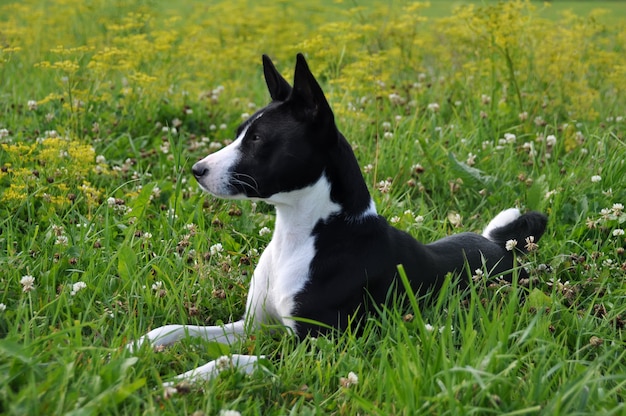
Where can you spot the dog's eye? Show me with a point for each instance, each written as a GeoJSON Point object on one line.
{"type": "Point", "coordinates": [256, 137]}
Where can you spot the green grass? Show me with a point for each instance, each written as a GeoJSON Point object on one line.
{"type": "Point", "coordinates": [107, 199]}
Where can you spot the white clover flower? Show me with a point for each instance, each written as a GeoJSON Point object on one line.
{"type": "Point", "coordinates": [471, 159]}
{"type": "Point", "coordinates": [530, 148]}
{"type": "Point", "coordinates": [394, 220]}
{"type": "Point", "coordinates": [223, 363]}
{"type": "Point", "coordinates": [417, 168]}
{"type": "Point", "coordinates": [550, 194]}
{"type": "Point", "coordinates": [434, 107]}
{"type": "Point", "coordinates": [32, 105]}
{"type": "Point", "coordinates": [478, 275]}
{"type": "Point", "coordinates": [511, 244]}
{"type": "Point", "coordinates": [388, 135]}
{"type": "Point", "coordinates": [419, 219]}
{"type": "Point", "coordinates": [368, 168]}
{"type": "Point", "coordinates": [618, 232]}
{"type": "Point", "coordinates": [429, 327]}
{"type": "Point", "coordinates": [101, 159]}
{"type": "Point", "coordinates": [384, 186]}
{"type": "Point", "coordinates": [596, 178]}
{"type": "Point", "coordinates": [530, 243]}
{"type": "Point", "coordinates": [351, 380]}
{"type": "Point", "coordinates": [605, 213]}
{"type": "Point", "coordinates": [61, 240]}
{"type": "Point", "coordinates": [264, 231]}
{"type": "Point", "coordinates": [157, 285]}
{"type": "Point", "coordinates": [111, 201]}
{"type": "Point", "coordinates": [386, 125]}
{"type": "Point", "coordinates": [216, 249]}
{"type": "Point", "coordinates": [4, 133]}
{"type": "Point", "coordinates": [617, 209]}
{"type": "Point", "coordinates": [455, 219]}
{"type": "Point", "coordinates": [510, 138]}
{"type": "Point", "coordinates": [156, 192]}
{"type": "Point", "coordinates": [77, 287]}
{"type": "Point", "coordinates": [27, 282]}
{"type": "Point", "coordinates": [3, 307]}
{"type": "Point", "coordinates": [396, 99]}
{"type": "Point", "coordinates": [551, 140]}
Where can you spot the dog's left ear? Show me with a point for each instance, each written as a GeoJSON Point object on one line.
{"type": "Point", "coordinates": [278, 87]}
{"type": "Point", "coordinates": [308, 92]}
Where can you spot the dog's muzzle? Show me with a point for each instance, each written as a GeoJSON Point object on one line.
{"type": "Point", "coordinates": [199, 170]}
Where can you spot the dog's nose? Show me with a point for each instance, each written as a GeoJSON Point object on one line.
{"type": "Point", "coordinates": [199, 170]}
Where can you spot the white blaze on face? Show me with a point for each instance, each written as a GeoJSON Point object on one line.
{"type": "Point", "coordinates": [219, 166]}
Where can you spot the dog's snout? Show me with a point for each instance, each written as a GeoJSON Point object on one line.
{"type": "Point", "coordinates": [199, 170]}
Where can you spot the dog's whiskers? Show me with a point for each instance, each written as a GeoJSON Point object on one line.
{"type": "Point", "coordinates": [237, 181]}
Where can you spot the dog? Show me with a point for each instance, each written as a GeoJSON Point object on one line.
{"type": "Point", "coordinates": [332, 259]}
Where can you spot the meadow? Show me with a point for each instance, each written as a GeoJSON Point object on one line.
{"type": "Point", "coordinates": [455, 113]}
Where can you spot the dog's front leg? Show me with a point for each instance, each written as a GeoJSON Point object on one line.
{"type": "Point", "coordinates": [244, 363]}
{"type": "Point", "coordinates": [168, 334]}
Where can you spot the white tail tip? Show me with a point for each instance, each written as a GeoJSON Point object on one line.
{"type": "Point", "coordinates": [503, 218]}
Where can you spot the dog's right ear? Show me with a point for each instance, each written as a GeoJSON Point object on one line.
{"type": "Point", "coordinates": [278, 87]}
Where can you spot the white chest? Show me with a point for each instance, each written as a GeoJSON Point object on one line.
{"type": "Point", "coordinates": [284, 267]}
{"type": "Point", "coordinates": [281, 274]}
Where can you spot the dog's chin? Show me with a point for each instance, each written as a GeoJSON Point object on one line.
{"type": "Point", "coordinates": [222, 192]}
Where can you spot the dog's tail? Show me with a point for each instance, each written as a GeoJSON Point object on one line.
{"type": "Point", "coordinates": [509, 225]}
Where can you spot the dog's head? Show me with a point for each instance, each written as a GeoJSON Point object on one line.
{"type": "Point", "coordinates": [281, 148]}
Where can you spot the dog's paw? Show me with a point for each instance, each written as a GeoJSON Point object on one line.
{"type": "Point", "coordinates": [159, 337]}
{"type": "Point", "coordinates": [243, 363]}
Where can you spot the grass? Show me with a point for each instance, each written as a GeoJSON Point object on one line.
{"type": "Point", "coordinates": [106, 106]}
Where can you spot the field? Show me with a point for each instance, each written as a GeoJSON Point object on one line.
{"type": "Point", "coordinates": [455, 112]}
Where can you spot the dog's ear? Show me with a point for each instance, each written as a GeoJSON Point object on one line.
{"type": "Point", "coordinates": [278, 87]}
{"type": "Point", "coordinates": [307, 91]}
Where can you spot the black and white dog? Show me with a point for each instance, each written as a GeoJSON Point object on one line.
{"type": "Point", "coordinates": [332, 258]}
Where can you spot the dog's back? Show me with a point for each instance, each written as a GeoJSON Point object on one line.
{"type": "Point", "coordinates": [355, 264]}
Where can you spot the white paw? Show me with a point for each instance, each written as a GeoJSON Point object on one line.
{"type": "Point", "coordinates": [243, 363]}
{"type": "Point", "coordinates": [162, 336]}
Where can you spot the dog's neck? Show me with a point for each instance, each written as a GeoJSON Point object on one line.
{"type": "Point", "coordinates": [340, 192]}
{"type": "Point", "coordinates": [297, 212]}
{"type": "Point", "coordinates": [348, 187]}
